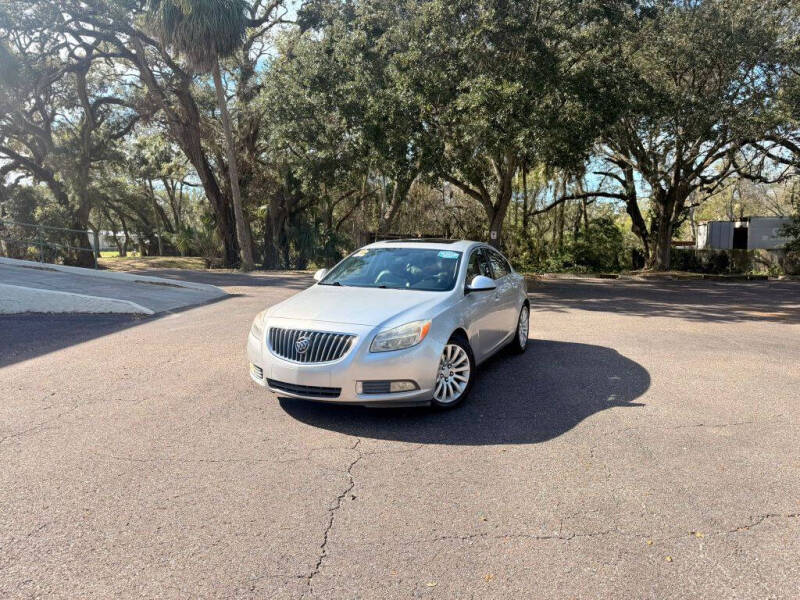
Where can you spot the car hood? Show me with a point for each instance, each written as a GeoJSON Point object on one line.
{"type": "Point", "coordinates": [356, 305]}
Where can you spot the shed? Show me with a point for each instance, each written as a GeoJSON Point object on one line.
{"type": "Point", "coordinates": [764, 232]}
{"type": "Point", "coordinates": [716, 235]}
{"type": "Point", "coordinates": [749, 233]}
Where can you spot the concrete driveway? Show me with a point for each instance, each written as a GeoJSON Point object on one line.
{"type": "Point", "coordinates": [645, 446]}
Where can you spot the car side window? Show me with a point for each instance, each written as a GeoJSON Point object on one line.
{"type": "Point", "coordinates": [477, 266]}
{"type": "Point", "coordinates": [500, 267]}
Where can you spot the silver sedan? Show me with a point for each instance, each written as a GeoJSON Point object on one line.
{"type": "Point", "coordinates": [401, 323]}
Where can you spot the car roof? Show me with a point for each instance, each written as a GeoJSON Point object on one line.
{"type": "Point", "coordinates": [433, 244]}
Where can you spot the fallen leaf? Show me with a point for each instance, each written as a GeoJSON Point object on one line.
{"type": "Point", "coordinates": [431, 584]}
{"type": "Point", "coordinates": [649, 542]}
{"type": "Point", "coordinates": [669, 559]}
{"type": "Point", "coordinates": [698, 534]}
{"type": "Point", "coordinates": [488, 577]}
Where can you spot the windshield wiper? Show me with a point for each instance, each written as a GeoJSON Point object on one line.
{"type": "Point", "coordinates": [331, 283]}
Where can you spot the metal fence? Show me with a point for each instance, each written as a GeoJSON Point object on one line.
{"type": "Point", "coordinates": [40, 237]}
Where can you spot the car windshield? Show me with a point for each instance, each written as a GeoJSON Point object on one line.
{"type": "Point", "coordinates": [397, 268]}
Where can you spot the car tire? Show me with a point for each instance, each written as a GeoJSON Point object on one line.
{"type": "Point", "coordinates": [519, 342]}
{"type": "Point", "coordinates": [457, 359]}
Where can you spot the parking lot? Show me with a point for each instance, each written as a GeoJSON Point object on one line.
{"type": "Point", "coordinates": [646, 445]}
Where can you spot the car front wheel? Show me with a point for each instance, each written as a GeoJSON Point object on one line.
{"type": "Point", "coordinates": [454, 375]}
{"type": "Point", "coordinates": [520, 340]}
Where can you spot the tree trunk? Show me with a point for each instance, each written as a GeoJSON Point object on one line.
{"type": "Point", "coordinates": [496, 213]}
{"type": "Point", "coordinates": [125, 245]}
{"type": "Point", "coordinates": [664, 206]}
{"type": "Point", "coordinates": [402, 185]}
{"type": "Point", "coordinates": [525, 200]}
{"type": "Point", "coordinates": [273, 228]}
{"type": "Point", "coordinates": [505, 171]}
{"type": "Point", "coordinates": [638, 225]}
{"type": "Point", "coordinates": [659, 259]}
{"type": "Point", "coordinates": [496, 229]}
{"type": "Point", "coordinates": [242, 231]}
{"type": "Point", "coordinates": [586, 217]}
{"type": "Point", "coordinates": [190, 140]}
{"type": "Point", "coordinates": [80, 238]}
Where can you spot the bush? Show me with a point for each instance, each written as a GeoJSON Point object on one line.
{"type": "Point", "coordinates": [790, 262]}
{"type": "Point", "coordinates": [599, 249]}
{"type": "Point", "coordinates": [792, 231]}
{"type": "Point", "coordinates": [713, 262]}
{"type": "Point", "coordinates": [184, 241]}
{"type": "Point", "coordinates": [209, 247]}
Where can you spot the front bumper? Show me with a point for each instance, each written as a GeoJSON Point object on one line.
{"type": "Point", "coordinates": [418, 363]}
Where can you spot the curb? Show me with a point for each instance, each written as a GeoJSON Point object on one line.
{"type": "Point", "coordinates": [121, 276]}
{"type": "Point", "coordinates": [38, 300]}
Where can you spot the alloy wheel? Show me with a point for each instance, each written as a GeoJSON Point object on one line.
{"type": "Point", "coordinates": [522, 327]}
{"type": "Point", "coordinates": [452, 378]}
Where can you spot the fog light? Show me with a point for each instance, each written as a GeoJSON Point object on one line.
{"type": "Point", "coordinates": [402, 386]}
{"type": "Point", "coordinates": [256, 371]}
{"type": "Point", "coordinates": [385, 386]}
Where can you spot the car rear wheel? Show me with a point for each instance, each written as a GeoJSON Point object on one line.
{"type": "Point", "coordinates": [454, 375]}
{"type": "Point", "coordinates": [520, 341]}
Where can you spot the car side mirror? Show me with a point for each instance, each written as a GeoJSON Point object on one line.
{"type": "Point", "coordinates": [481, 283]}
{"type": "Point", "coordinates": [320, 275]}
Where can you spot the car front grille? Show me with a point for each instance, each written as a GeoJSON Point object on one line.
{"type": "Point", "coordinates": [310, 391]}
{"type": "Point", "coordinates": [305, 346]}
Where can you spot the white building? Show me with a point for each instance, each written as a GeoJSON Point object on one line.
{"type": "Point", "coordinates": [106, 239]}
{"type": "Point", "coordinates": [750, 233]}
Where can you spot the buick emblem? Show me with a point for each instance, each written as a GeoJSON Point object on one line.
{"type": "Point", "coordinates": [302, 344]}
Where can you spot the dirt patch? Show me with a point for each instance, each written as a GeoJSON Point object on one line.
{"type": "Point", "coordinates": [142, 263]}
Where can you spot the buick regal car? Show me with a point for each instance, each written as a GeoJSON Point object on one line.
{"type": "Point", "coordinates": [400, 323]}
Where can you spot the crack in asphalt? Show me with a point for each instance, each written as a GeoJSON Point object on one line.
{"type": "Point", "coordinates": [754, 522]}
{"type": "Point", "coordinates": [774, 419]}
{"type": "Point", "coordinates": [331, 515]}
{"type": "Point", "coordinates": [528, 536]}
{"type": "Point", "coordinates": [39, 426]}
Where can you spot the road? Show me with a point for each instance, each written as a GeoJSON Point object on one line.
{"type": "Point", "coordinates": [148, 294]}
{"type": "Point", "coordinates": [645, 446]}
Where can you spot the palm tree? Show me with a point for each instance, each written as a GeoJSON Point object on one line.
{"type": "Point", "coordinates": [205, 31]}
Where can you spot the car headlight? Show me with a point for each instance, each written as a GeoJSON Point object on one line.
{"type": "Point", "coordinates": [401, 337]}
{"type": "Point", "coordinates": [257, 328]}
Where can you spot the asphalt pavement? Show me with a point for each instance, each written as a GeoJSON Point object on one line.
{"type": "Point", "coordinates": [72, 284]}
{"type": "Point", "coordinates": [646, 445]}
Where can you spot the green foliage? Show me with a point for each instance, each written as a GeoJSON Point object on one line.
{"type": "Point", "coordinates": [700, 261]}
{"type": "Point", "coordinates": [209, 246]}
{"type": "Point", "coordinates": [202, 30]}
{"type": "Point", "coordinates": [600, 248]}
{"type": "Point", "coordinates": [185, 240]}
{"type": "Point", "coordinates": [792, 231]}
